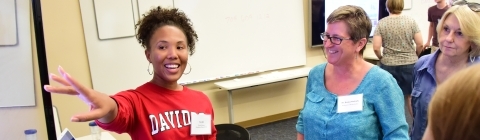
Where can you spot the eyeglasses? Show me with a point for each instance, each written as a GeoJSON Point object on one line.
{"type": "Point", "coordinates": [333, 39]}
{"type": "Point", "coordinates": [475, 7]}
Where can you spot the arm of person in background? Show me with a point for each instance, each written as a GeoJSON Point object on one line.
{"type": "Point", "coordinates": [390, 110]}
{"type": "Point", "coordinates": [377, 44]}
{"type": "Point", "coordinates": [103, 108]}
{"type": "Point", "coordinates": [377, 41]}
{"type": "Point", "coordinates": [431, 28]}
{"type": "Point", "coordinates": [418, 43]}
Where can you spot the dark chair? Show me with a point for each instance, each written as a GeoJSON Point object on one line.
{"type": "Point", "coordinates": [231, 132]}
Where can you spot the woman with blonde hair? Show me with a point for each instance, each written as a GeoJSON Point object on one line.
{"type": "Point", "coordinates": [453, 113]}
{"type": "Point", "coordinates": [459, 38]}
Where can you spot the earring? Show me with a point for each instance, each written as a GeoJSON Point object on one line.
{"type": "Point", "coordinates": [472, 58]}
{"type": "Point", "coordinates": [148, 69]}
{"type": "Point", "coordinates": [189, 69]}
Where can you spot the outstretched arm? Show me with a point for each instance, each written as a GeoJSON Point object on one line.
{"type": "Point", "coordinates": [104, 109]}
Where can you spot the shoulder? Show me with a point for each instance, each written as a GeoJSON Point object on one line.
{"type": "Point", "coordinates": [384, 19]}
{"type": "Point", "coordinates": [377, 80]}
{"type": "Point", "coordinates": [126, 93]}
{"type": "Point", "coordinates": [409, 18]}
{"type": "Point", "coordinates": [134, 92]}
{"type": "Point", "coordinates": [431, 8]}
{"type": "Point", "coordinates": [196, 94]}
{"type": "Point", "coordinates": [377, 70]}
{"type": "Point", "coordinates": [198, 99]}
{"type": "Point", "coordinates": [446, 9]}
{"type": "Point", "coordinates": [377, 73]}
{"type": "Point", "coordinates": [318, 70]}
{"type": "Point", "coordinates": [193, 92]}
{"type": "Point", "coordinates": [382, 22]}
{"type": "Point", "coordinates": [126, 97]}
{"type": "Point", "coordinates": [423, 61]}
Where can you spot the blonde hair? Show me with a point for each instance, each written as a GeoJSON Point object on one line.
{"type": "Point", "coordinates": [395, 6]}
{"type": "Point", "coordinates": [468, 21]}
{"type": "Point", "coordinates": [453, 112]}
{"type": "Point", "coordinates": [357, 20]}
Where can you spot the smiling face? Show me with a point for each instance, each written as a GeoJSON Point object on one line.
{"type": "Point", "coordinates": [451, 39]}
{"type": "Point", "coordinates": [346, 50]}
{"type": "Point", "coordinates": [168, 53]}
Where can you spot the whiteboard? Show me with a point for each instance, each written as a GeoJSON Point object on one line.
{"type": "Point", "coordinates": [16, 69]}
{"type": "Point", "coordinates": [8, 23]}
{"type": "Point", "coordinates": [243, 36]}
{"type": "Point", "coordinates": [407, 4]}
{"type": "Point", "coordinates": [145, 5]}
{"type": "Point", "coordinates": [114, 18]}
{"type": "Point", "coordinates": [246, 36]}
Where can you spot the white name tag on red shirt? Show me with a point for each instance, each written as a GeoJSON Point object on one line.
{"type": "Point", "coordinates": [350, 103]}
{"type": "Point", "coordinates": [201, 124]}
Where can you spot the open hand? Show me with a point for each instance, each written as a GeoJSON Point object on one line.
{"type": "Point", "coordinates": [99, 102]}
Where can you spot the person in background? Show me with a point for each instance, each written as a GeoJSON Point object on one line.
{"type": "Point", "coordinates": [347, 97]}
{"type": "Point", "coordinates": [453, 113]}
{"type": "Point", "coordinates": [399, 52]}
{"type": "Point", "coordinates": [434, 14]}
{"type": "Point", "coordinates": [459, 36]}
{"type": "Point", "coordinates": [160, 109]}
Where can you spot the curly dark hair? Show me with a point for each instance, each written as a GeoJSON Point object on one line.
{"type": "Point", "coordinates": [159, 17]}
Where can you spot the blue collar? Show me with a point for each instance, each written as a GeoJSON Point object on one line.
{"type": "Point", "coordinates": [429, 61]}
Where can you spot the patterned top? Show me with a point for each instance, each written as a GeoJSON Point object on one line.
{"type": "Point", "coordinates": [382, 116]}
{"type": "Point", "coordinates": [397, 34]}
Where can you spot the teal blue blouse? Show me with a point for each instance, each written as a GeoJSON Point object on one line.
{"type": "Point", "coordinates": [382, 117]}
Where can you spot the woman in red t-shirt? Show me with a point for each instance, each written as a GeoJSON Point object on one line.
{"type": "Point", "coordinates": [161, 108]}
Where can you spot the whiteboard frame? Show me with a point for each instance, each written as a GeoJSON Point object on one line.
{"type": "Point", "coordinates": [123, 33]}
{"type": "Point", "coordinates": [19, 78]}
{"type": "Point", "coordinates": [15, 27]}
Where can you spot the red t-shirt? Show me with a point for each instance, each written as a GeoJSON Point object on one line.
{"type": "Point", "coordinates": [151, 112]}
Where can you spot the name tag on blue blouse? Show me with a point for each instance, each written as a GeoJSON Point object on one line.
{"type": "Point", "coordinates": [350, 103]}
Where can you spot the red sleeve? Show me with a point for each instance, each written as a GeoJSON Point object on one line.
{"type": "Point", "coordinates": [124, 120]}
{"type": "Point", "coordinates": [213, 136]}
